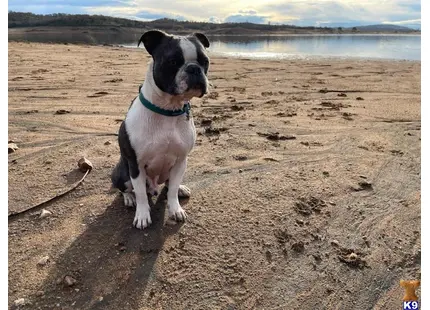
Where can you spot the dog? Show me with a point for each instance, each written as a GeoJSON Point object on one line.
{"type": "Point", "coordinates": [158, 132]}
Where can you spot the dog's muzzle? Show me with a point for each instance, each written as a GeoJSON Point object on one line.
{"type": "Point", "coordinates": [196, 78]}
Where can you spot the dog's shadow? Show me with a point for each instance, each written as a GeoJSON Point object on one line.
{"type": "Point", "coordinates": [111, 261]}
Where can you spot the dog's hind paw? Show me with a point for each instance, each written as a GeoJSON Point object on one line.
{"type": "Point", "coordinates": [129, 199]}
{"type": "Point", "coordinates": [184, 192]}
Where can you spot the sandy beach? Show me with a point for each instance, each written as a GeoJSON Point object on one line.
{"type": "Point", "coordinates": [305, 184]}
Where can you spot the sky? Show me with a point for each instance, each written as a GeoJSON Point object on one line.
{"type": "Point", "coordinates": [330, 13]}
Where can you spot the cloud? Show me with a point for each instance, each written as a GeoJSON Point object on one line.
{"type": "Point", "coordinates": [251, 12]}
{"type": "Point", "coordinates": [67, 3]}
{"type": "Point", "coordinates": [411, 5]}
{"type": "Point", "coordinates": [51, 9]}
{"type": "Point", "coordinates": [59, 6]}
{"type": "Point", "coordinates": [314, 13]}
{"type": "Point", "coordinates": [246, 18]}
{"type": "Point", "coordinates": [343, 12]}
{"type": "Point", "coordinates": [185, 10]}
{"type": "Point", "coordinates": [403, 22]}
{"type": "Point", "coordinates": [135, 12]}
{"type": "Point", "coordinates": [296, 12]}
{"type": "Point", "coordinates": [215, 20]}
{"type": "Point", "coordinates": [411, 23]}
{"type": "Point", "coordinates": [143, 15]}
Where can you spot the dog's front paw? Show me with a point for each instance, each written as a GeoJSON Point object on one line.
{"type": "Point", "coordinates": [142, 219]}
{"type": "Point", "coordinates": [129, 199]}
{"type": "Point", "coordinates": [177, 213]}
{"type": "Point", "coordinates": [184, 192]}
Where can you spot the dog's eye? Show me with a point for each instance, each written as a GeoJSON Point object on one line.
{"type": "Point", "coordinates": [172, 62]}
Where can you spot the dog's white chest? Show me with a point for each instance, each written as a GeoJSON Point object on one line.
{"type": "Point", "coordinates": [159, 141]}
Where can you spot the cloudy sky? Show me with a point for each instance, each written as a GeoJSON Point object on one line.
{"type": "Point", "coordinates": [298, 12]}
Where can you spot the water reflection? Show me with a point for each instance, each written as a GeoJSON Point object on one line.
{"type": "Point", "coordinates": [304, 46]}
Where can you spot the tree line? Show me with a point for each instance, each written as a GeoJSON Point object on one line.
{"type": "Point", "coordinates": [19, 19]}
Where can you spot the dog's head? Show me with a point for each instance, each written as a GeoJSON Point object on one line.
{"type": "Point", "coordinates": [180, 62]}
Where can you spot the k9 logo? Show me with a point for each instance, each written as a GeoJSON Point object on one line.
{"type": "Point", "coordinates": [410, 305]}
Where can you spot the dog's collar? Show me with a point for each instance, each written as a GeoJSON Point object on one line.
{"type": "Point", "coordinates": [185, 109]}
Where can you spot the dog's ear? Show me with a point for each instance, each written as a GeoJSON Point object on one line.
{"type": "Point", "coordinates": [151, 39]}
{"type": "Point", "coordinates": [202, 38]}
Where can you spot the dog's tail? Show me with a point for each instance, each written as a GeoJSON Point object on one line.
{"type": "Point", "coordinates": [120, 175]}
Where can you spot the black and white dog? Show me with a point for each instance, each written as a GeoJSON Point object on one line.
{"type": "Point", "coordinates": [158, 132]}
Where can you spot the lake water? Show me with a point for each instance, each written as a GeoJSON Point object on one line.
{"type": "Point", "coordinates": [400, 47]}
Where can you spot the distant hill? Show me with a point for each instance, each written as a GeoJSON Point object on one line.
{"type": "Point", "coordinates": [18, 19]}
{"type": "Point", "coordinates": [384, 27]}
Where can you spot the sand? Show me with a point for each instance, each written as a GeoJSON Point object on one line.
{"type": "Point", "coordinates": [305, 187]}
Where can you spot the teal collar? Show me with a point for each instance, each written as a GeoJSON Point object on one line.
{"type": "Point", "coordinates": [185, 109]}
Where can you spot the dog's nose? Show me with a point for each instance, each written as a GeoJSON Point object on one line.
{"type": "Point", "coordinates": [192, 69]}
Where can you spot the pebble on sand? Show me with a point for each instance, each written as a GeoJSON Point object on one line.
{"type": "Point", "coordinates": [40, 293]}
{"type": "Point", "coordinates": [19, 302]}
{"type": "Point", "coordinates": [69, 281]}
{"type": "Point", "coordinates": [335, 242]}
{"type": "Point", "coordinates": [171, 222]}
{"type": "Point", "coordinates": [43, 261]}
{"type": "Point", "coordinates": [45, 213]}
{"type": "Point", "coordinates": [12, 147]}
{"type": "Point", "coordinates": [84, 164]}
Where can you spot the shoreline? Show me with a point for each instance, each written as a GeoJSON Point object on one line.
{"type": "Point", "coordinates": [293, 32]}
{"type": "Point", "coordinates": [230, 55]}
{"type": "Point", "coordinates": [119, 35]}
